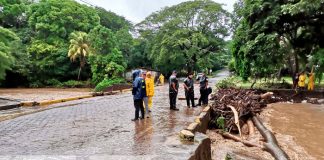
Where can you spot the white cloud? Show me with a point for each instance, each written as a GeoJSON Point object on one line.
{"type": "Point", "coordinates": [137, 10]}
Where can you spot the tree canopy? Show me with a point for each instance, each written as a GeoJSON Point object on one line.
{"type": "Point", "coordinates": [181, 35]}
{"type": "Point", "coordinates": [276, 34]}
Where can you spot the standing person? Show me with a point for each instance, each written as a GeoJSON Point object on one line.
{"type": "Point", "coordinates": [173, 90]}
{"type": "Point", "coordinates": [302, 79]}
{"type": "Point", "coordinates": [311, 79]}
{"type": "Point", "coordinates": [203, 83]}
{"type": "Point", "coordinates": [295, 82]}
{"type": "Point", "coordinates": [161, 79]}
{"type": "Point", "coordinates": [189, 90]}
{"type": "Point", "coordinates": [149, 82]}
{"type": "Point", "coordinates": [138, 94]}
{"type": "Point", "coordinates": [145, 98]}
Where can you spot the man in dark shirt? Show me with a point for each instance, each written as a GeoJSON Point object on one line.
{"type": "Point", "coordinates": [173, 90]}
{"type": "Point", "coordinates": [189, 90]}
{"type": "Point", "coordinates": [203, 90]}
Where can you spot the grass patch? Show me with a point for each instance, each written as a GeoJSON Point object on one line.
{"type": "Point", "coordinates": [107, 83]}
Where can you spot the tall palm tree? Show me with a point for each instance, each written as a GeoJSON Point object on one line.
{"type": "Point", "coordinates": [79, 48]}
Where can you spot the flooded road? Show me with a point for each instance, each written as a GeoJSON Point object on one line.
{"type": "Point", "coordinates": [305, 122]}
{"type": "Point", "coordinates": [101, 128]}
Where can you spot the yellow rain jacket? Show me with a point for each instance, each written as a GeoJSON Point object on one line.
{"type": "Point", "coordinates": [311, 79]}
{"type": "Point", "coordinates": [149, 81]}
{"type": "Point", "coordinates": [161, 79]}
{"type": "Point", "coordinates": [302, 79]}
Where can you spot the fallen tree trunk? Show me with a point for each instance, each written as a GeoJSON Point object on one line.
{"type": "Point", "coordinates": [238, 139]}
{"type": "Point", "coordinates": [271, 144]}
{"type": "Point", "coordinates": [251, 127]}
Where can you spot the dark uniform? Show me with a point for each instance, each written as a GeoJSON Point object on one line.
{"type": "Point", "coordinates": [173, 93]}
{"type": "Point", "coordinates": [203, 90]}
{"type": "Point", "coordinates": [138, 94]}
{"type": "Point", "coordinates": [190, 94]}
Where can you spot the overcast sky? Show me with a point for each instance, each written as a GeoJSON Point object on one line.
{"type": "Point", "coordinates": [136, 10]}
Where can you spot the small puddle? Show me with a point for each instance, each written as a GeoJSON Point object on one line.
{"type": "Point", "coordinates": [302, 121]}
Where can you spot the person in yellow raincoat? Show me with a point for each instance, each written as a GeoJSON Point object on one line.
{"type": "Point", "coordinates": [301, 80]}
{"type": "Point", "coordinates": [311, 78]}
{"type": "Point", "coordinates": [149, 82]}
{"type": "Point", "coordinates": [161, 79]}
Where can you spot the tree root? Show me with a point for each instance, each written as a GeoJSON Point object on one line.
{"type": "Point", "coordinates": [271, 144]}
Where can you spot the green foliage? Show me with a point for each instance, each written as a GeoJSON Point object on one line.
{"type": "Point", "coordinates": [74, 84]}
{"type": "Point", "coordinates": [13, 13]}
{"type": "Point", "coordinates": [221, 122]}
{"type": "Point", "coordinates": [107, 66]}
{"type": "Point", "coordinates": [111, 20]}
{"type": "Point", "coordinates": [7, 41]}
{"type": "Point", "coordinates": [231, 65]}
{"type": "Point", "coordinates": [57, 19]}
{"type": "Point", "coordinates": [107, 83]}
{"type": "Point", "coordinates": [228, 157]}
{"type": "Point", "coordinates": [79, 48]}
{"type": "Point", "coordinates": [181, 35]}
{"type": "Point", "coordinates": [53, 82]}
{"type": "Point", "coordinates": [125, 43]}
{"type": "Point", "coordinates": [45, 29]}
{"type": "Point", "coordinates": [317, 60]}
{"type": "Point", "coordinates": [102, 39]}
{"type": "Point", "coordinates": [226, 83]}
{"type": "Point", "coordinates": [275, 34]}
{"type": "Point", "coordinates": [36, 84]}
{"type": "Point", "coordinates": [139, 56]}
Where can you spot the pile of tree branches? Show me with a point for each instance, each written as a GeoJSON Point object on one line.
{"type": "Point", "coordinates": [245, 102]}
{"type": "Point", "coordinates": [235, 109]}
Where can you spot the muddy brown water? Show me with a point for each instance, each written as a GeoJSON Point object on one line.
{"type": "Point", "coordinates": [302, 121]}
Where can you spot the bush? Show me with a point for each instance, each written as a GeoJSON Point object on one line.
{"type": "Point", "coordinates": [54, 82]}
{"type": "Point", "coordinates": [36, 84]}
{"type": "Point", "coordinates": [231, 65]}
{"type": "Point", "coordinates": [226, 83]}
{"type": "Point", "coordinates": [107, 83]}
{"type": "Point", "coordinates": [74, 84]}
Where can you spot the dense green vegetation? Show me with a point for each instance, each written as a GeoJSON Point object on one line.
{"type": "Point", "coordinates": [271, 36]}
{"type": "Point", "coordinates": [189, 35]}
{"type": "Point", "coordinates": [63, 43]}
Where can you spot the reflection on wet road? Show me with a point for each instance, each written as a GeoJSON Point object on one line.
{"type": "Point", "coordinates": [100, 126]}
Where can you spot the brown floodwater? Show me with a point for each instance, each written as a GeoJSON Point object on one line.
{"type": "Point", "coordinates": [305, 122]}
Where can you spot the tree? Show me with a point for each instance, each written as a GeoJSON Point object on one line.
{"type": "Point", "coordinates": [103, 63]}
{"type": "Point", "coordinates": [276, 34]}
{"type": "Point", "coordinates": [107, 66]}
{"type": "Point", "coordinates": [182, 34]}
{"type": "Point", "coordinates": [7, 39]}
{"type": "Point", "coordinates": [13, 13]}
{"type": "Point", "coordinates": [125, 43]}
{"type": "Point", "coordinates": [103, 40]}
{"type": "Point", "coordinates": [111, 20]}
{"type": "Point", "coordinates": [79, 48]}
{"type": "Point", "coordinates": [51, 22]}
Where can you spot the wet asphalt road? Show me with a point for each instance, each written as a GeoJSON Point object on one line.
{"type": "Point", "coordinates": [99, 128]}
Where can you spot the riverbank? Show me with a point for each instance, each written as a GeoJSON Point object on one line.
{"type": "Point", "coordinates": [297, 127]}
